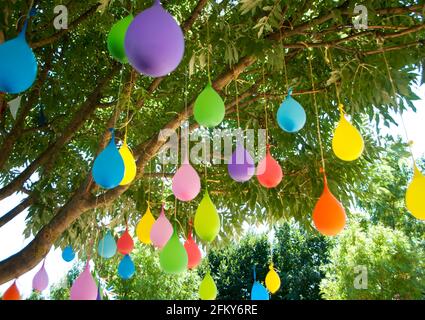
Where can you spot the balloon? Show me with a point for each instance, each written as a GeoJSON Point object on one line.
{"type": "Point", "coordinates": [18, 65]}
{"type": "Point", "coordinates": [269, 172]}
{"type": "Point", "coordinates": [40, 280]}
{"type": "Point", "coordinates": [125, 243]}
{"type": "Point", "coordinates": [68, 254]}
{"type": "Point", "coordinates": [154, 42]}
{"type": "Point", "coordinates": [193, 252]}
{"type": "Point", "coordinates": [329, 215]}
{"type": "Point", "coordinates": [186, 182]}
{"type": "Point", "coordinates": [207, 288]}
{"type": "Point", "coordinates": [84, 287]}
{"type": "Point", "coordinates": [126, 268]}
{"type": "Point", "coordinates": [144, 227]}
{"type": "Point", "coordinates": [207, 220]}
{"type": "Point", "coordinates": [108, 168]}
{"type": "Point", "coordinates": [291, 115]}
{"type": "Point", "coordinates": [241, 166]}
{"type": "Point", "coordinates": [272, 280]}
{"type": "Point", "coordinates": [258, 292]}
{"type": "Point", "coordinates": [347, 143]}
{"type": "Point", "coordinates": [173, 257]}
{"type": "Point", "coordinates": [209, 109]}
{"type": "Point", "coordinates": [99, 294]}
{"type": "Point", "coordinates": [130, 167]}
{"type": "Point", "coordinates": [116, 39]}
{"type": "Point", "coordinates": [161, 231]}
{"type": "Point", "coordinates": [415, 195]}
{"type": "Point", "coordinates": [107, 246]}
{"type": "Point", "coordinates": [12, 293]}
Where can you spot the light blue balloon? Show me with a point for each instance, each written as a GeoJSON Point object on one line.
{"type": "Point", "coordinates": [291, 115]}
{"type": "Point", "coordinates": [108, 168]}
{"type": "Point", "coordinates": [18, 65]}
{"type": "Point", "coordinates": [107, 246]}
{"type": "Point", "coordinates": [68, 254]}
{"type": "Point", "coordinates": [126, 268]}
{"type": "Point", "coordinates": [258, 292]}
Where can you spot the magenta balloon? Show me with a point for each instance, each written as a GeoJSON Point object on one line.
{"type": "Point", "coordinates": [40, 280]}
{"type": "Point", "coordinates": [154, 42]}
{"type": "Point", "coordinates": [241, 166]}
{"type": "Point", "coordinates": [161, 231]}
{"type": "Point", "coordinates": [84, 287]}
{"type": "Point", "coordinates": [186, 182]}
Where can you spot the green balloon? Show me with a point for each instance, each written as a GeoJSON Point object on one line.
{"type": "Point", "coordinates": [207, 220]}
{"type": "Point", "coordinates": [208, 289]}
{"type": "Point", "coordinates": [209, 108]}
{"type": "Point", "coordinates": [173, 257]}
{"type": "Point", "coordinates": [116, 39]}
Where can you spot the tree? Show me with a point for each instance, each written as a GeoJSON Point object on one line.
{"type": "Point", "coordinates": [394, 267]}
{"type": "Point", "coordinates": [82, 94]}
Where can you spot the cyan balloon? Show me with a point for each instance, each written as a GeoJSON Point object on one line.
{"type": "Point", "coordinates": [107, 246]}
{"type": "Point", "coordinates": [258, 292]}
{"type": "Point", "coordinates": [68, 254]}
{"type": "Point", "coordinates": [108, 168]}
{"type": "Point", "coordinates": [126, 268]}
{"type": "Point", "coordinates": [291, 115]}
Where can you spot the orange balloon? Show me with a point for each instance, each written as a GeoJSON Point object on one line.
{"type": "Point", "coordinates": [329, 215]}
{"type": "Point", "coordinates": [12, 293]}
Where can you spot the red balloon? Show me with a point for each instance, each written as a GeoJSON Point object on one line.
{"type": "Point", "coordinates": [12, 293]}
{"type": "Point", "coordinates": [125, 243]}
{"type": "Point", "coordinates": [193, 252]}
{"type": "Point", "coordinates": [269, 172]}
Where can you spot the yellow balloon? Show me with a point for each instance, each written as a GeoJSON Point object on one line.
{"type": "Point", "coordinates": [143, 229]}
{"type": "Point", "coordinates": [415, 195]}
{"type": "Point", "coordinates": [207, 220]}
{"type": "Point", "coordinates": [129, 165]}
{"type": "Point", "coordinates": [208, 289]}
{"type": "Point", "coordinates": [347, 143]}
{"type": "Point", "coordinates": [272, 280]}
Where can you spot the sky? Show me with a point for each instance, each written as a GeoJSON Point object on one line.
{"type": "Point", "coordinates": [12, 240]}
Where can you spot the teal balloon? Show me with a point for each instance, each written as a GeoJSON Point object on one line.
{"type": "Point", "coordinates": [108, 168]}
{"type": "Point", "coordinates": [126, 268]}
{"type": "Point", "coordinates": [68, 254]}
{"type": "Point", "coordinates": [291, 115]}
{"type": "Point", "coordinates": [107, 246]}
{"type": "Point", "coordinates": [259, 292]}
{"type": "Point", "coordinates": [18, 65]}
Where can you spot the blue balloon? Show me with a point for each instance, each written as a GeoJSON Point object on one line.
{"type": "Point", "coordinates": [107, 246]}
{"type": "Point", "coordinates": [291, 115]}
{"type": "Point", "coordinates": [126, 268]}
{"type": "Point", "coordinates": [108, 168]}
{"type": "Point", "coordinates": [258, 292]}
{"type": "Point", "coordinates": [99, 296]}
{"type": "Point", "coordinates": [18, 65]}
{"type": "Point", "coordinates": [68, 254]}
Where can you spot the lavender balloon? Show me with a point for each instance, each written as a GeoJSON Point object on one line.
{"type": "Point", "coordinates": [241, 166]}
{"type": "Point", "coordinates": [154, 42]}
{"type": "Point", "coordinates": [84, 287]}
{"type": "Point", "coordinates": [40, 280]}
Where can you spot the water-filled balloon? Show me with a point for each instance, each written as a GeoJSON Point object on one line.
{"type": "Point", "coordinates": [84, 287]}
{"type": "Point", "coordinates": [207, 288]}
{"type": "Point", "coordinates": [347, 143]}
{"type": "Point", "coordinates": [329, 215]}
{"type": "Point", "coordinates": [107, 246]}
{"type": "Point", "coordinates": [193, 253]}
{"type": "Point", "coordinates": [209, 109]}
{"type": "Point", "coordinates": [130, 167]}
{"type": "Point", "coordinates": [108, 168]}
{"type": "Point", "coordinates": [272, 280]}
{"type": "Point", "coordinates": [68, 254]}
{"type": "Point", "coordinates": [12, 293]}
{"type": "Point", "coordinates": [126, 268]}
{"type": "Point", "coordinates": [291, 115]}
{"type": "Point", "coordinates": [41, 280]}
{"type": "Point", "coordinates": [415, 195]}
{"type": "Point", "coordinates": [258, 292]}
{"type": "Point", "coordinates": [186, 182]}
{"type": "Point", "coordinates": [173, 257]}
{"type": "Point", "coordinates": [241, 166]}
{"type": "Point", "coordinates": [207, 220]}
{"type": "Point", "coordinates": [144, 227]}
{"type": "Point", "coordinates": [18, 65]}
{"type": "Point", "coordinates": [125, 243]}
{"type": "Point", "coordinates": [161, 231]}
{"type": "Point", "coordinates": [116, 39]}
{"type": "Point", "coordinates": [154, 42]}
{"type": "Point", "coordinates": [269, 172]}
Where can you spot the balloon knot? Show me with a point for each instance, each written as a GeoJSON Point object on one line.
{"type": "Point", "coordinates": [33, 12]}
{"type": "Point", "coordinates": [290, 91]}
{"type": "Point", "coordinates": [321, 170]}
{"type": "Point", "coordinates": [411, 142]}
{"type": "Point", "coordinates": [111, 130]}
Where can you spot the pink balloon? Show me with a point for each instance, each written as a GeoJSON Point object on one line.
{"type": "Point", "coordinates": [186, 182]}
{"type": "Point", "coordinates": [161, 231]}
{"type": "Point", "coordinates": [40, 280]}
{"type": "Point", "coordinates": [84, 287]}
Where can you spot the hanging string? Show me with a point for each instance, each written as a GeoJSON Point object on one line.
{"type": "Point", "coordinates": [119, 97]}
{"type": "Point", "coordinates": [265, 107]}
{"type": "Point", "coordinates": [208, 52]}
{"type": "Point", "coordinates": [328, 50]}
{"type": "Point", "coordinates": [149, 183]}
{"type": "Point", "coordinates": [163, 183]}
{"type": "Point", "coordinates": [285, 70]}
{"type": "Point", "coordinates": [237, 103]}
{"type": "Point", "coordinates": [186, 92]}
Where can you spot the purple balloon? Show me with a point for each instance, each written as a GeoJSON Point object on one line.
{"type": "Point", "coordinates": [241, 166]}
{"type": "Point", "coordinates": [41, 280]}
{"type": "Point", "coordinates": [154, 42]}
